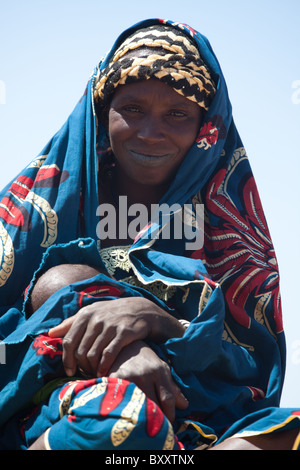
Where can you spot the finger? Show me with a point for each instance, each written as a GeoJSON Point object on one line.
{"type": "Point", "coordinates": [70, 343]}
{"type": "Point", "coordinates": [94, 350]}
{"type": "Point", "coordinates": [166, 401]}
{"type": "Point", "coordinates": [165, 393]}
{"type": "Point", "coordinates": [111, 352]}
{"type": "Point", "coordinates": [181, 401]}
{"type": "Point", "coordinates": [62, 329]}
{"type": "Point", "coordinates": [84, 356]}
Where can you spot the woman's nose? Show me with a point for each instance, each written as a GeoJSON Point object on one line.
{"type": "Point", "coordinates": [151, 129]}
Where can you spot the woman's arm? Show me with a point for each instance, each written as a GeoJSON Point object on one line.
{"type": "Point", "coordinates": [94, 337]}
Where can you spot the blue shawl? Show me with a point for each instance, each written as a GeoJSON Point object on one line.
{"type": "Point", "coordinates": [230, 363]}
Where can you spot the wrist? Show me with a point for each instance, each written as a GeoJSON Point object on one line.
{"type": "Point", "coordinates": [166, 327]}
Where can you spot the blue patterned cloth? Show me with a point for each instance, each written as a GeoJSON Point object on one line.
{"type": "Point", "coordinates": [230, 363]}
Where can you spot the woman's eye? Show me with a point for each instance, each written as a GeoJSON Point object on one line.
{"type": "Point", "coordinates": [131, 109]}
{"type": "Point", "coordinates": [177, 114]}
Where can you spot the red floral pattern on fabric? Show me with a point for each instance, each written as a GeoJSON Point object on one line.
{"type": "Point", "coordinates": [11, 205]}
{"type": "Point", "coordinates": [114, 395]}
{"type": "Point", "coordinates": [211, 132]}
{"type": "Point", "coordinates": [238, 251]}
{"type": "Point", "coordinates": [79, 385]}
{"type": "Point", "coordinates": [257, 393]}
{"type": "Point", "coordinates": [46, 346]}
{"type": "Point", "coordinates": [98, 291]}
{"type": "Point", "coordinates": [155, 418]}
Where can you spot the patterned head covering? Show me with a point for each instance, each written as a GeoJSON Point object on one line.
{"type": "Point", "coordinates": [158, 52]}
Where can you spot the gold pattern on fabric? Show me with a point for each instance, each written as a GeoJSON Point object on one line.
{"type": "Point", "coordinates": [260, 311]}
{"type": "Point", "coordinates": [48, 216]}
{"type": "Point", "coordinates": [205, 296]}
{"type": "Point", "coordinates": [117, 258]}
{"type": "Point", "coordinates": [66, 399]}
{"type": "Point", "coordinates": [229, 336]}
{"type": "Point", "coordinates": [204, 440]}
{"type": "Point", "coordinates": [170, 440]}
{"type": "Point", "coordinates": [129, 418]}
{"type": "Point", "coordinates": [92, 392]}
{"type": "Point", "coordinates": [263, 301]}
{"type": "Point", "coordinates": [7, 255]}
{"type": "Point", "coordinates": [185, 295]}
{"type": "Point", "coordinates": [157, 288]}
{"type": "Point", "coordinates": [194, 218]}
{"type": "Point", "coordinates": [37, 162]}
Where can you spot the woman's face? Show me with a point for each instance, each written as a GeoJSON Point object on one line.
{"type": "Point", "coordinates": [151, 129]}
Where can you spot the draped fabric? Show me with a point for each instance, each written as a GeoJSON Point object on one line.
{"type": "Point", "coordinates": [230, 362]}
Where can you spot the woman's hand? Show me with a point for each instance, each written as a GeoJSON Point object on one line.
{"type": "Point", "coordinates": [94, 336]}
{"type": "Point", "coordinates": [139, 364]}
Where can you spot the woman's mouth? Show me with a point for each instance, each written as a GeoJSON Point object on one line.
{"type": "Point", "coordinates": [149, 159]}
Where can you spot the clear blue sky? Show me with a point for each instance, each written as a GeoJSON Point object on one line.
{"type": "Point", "coordinates": [48, 50]}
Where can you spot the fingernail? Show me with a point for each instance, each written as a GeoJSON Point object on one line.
{"type": "Point", "coordinates": [69, 372]}
{"type": "Point", "coordinates": [185, 399]}
{"type": "Point", "coordinates": [51, 332]}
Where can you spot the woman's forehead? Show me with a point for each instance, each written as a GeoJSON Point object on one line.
{"type": "Point", "coordinates": [145, 90]}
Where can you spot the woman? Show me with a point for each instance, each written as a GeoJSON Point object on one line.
{"type": "Point", "coordinates": [195, 329]}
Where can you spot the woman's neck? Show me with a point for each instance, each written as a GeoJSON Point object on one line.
{"type": "Point", "coordinates": [119, 191]}
{"type": "Point", "coordinates": [137, 193]}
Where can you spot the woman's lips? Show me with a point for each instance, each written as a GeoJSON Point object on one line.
{"type": "Point", "coordinates": [149, 159]}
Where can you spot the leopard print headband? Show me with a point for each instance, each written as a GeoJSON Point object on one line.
{"type": "Point", "coordinates": [162, 53]}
